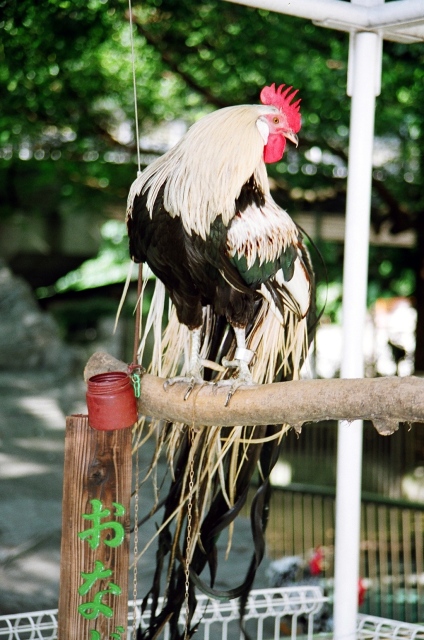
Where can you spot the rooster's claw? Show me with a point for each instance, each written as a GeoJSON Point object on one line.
{"type": "Point", "coordinates": [191, 381]}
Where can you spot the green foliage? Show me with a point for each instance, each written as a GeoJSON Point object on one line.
{"type": "Point", "coordinates": [391, 274]}
{"type": "Point", "coordinates": [47, 67]}
{"type": "Point", "coordinates": [110, 266]}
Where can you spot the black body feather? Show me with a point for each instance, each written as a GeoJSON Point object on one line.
{"type": "Point", "coordinates": [195, 272]}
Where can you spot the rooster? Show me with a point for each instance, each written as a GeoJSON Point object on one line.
{"type": "Point", "coordinates": [240, 281]}
{"type": "Point", "coordinates": [296, 570]}
{"type": "Point", "coordinates": [292, 571]}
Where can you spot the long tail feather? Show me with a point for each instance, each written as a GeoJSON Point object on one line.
{"type": "Point", "coordinates": [223, 460]}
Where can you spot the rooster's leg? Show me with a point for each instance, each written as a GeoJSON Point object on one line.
{"type": "Point", "coordinates": [242, 359]}
{"type": "Point", "coordinates": [193, 375]}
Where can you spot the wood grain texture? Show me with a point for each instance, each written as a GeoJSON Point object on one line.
{"type": "Point", "coordinates": [384, 401]}
{"type": "Point", "coordinates": [97, 466]}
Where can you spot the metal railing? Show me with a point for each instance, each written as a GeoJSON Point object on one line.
{"type": "Point", "coordinates": [392, 539]}
{"type": "Point", "coordinates": [271, 614]}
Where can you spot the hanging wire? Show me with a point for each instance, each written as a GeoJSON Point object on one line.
{"type": "Point", "coordinates": [137, 135]}
{"type": "Point", "coordinates": [137, 138]}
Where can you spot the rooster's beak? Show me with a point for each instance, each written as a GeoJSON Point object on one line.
{"type": "Point", "coordinates": [292, 137]}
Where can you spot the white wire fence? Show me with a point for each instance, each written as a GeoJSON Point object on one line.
{"type": "Point", "coordinates": [373, 628]}
{"type": "Point", "coordinates": [271, 614]}
{"type": "Point", "coordinates": [302, 518]}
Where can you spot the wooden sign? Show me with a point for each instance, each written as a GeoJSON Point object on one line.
{"type": "Point", "coordinates": [93, 602]}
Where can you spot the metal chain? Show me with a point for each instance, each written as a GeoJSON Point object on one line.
{"type": "Point", "coordinates": [189, 530]}
{"type": "Point", "coordinates": [135, 577]}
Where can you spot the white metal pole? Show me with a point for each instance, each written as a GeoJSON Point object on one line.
{"type": "Point", "coordinates": [364, 65]}
{"type": "Point", "coordinates": [348, 16]}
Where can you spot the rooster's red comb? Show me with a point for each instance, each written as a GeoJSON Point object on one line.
{"type": "Point", "coordinates": [283, 101]}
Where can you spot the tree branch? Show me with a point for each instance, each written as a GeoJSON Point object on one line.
{"type": "Point", "coordinates": [172, 64]}
{"type": "Point", "coordinates": [400, 217]}
{"type": "Point", "coordinates": [384, 401]}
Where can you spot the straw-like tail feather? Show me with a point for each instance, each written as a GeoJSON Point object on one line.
{"type": "Point", "coordinates": [219, 517]}
{"type": "Point", "coordinates": [224, 460]}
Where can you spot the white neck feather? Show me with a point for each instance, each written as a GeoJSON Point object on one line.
{"type": "Point", "coordinates": [204, 173]}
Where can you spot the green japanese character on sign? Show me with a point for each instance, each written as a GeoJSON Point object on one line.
{"type": "Point", "coordinates": [91, 610]}
{"type": "Point", "coordinates": [95, 635]}
{"type": "Point", "coordinates": [92, 535]}
{"type": "Point", "coordinates": [99, 573]}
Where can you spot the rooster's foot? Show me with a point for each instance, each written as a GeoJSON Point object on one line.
{"type": "Point", "coordinates": [190, 380]}
{"type": "Point", "coordinates": [244, 377]}
{"type": "Point", "coordinates": [234, 384]}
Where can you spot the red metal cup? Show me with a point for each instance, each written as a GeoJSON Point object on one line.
{"type": "Point", "coordinates": [111, 401]}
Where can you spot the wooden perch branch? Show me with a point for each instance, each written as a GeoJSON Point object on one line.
{"type": "Point", "coordinates": [384, 401]}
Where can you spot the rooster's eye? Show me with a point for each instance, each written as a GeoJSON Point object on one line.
{"type": "Point", "coordinates": [276, 120]}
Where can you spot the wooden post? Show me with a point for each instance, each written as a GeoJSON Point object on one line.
{"type": "Point", "coordinates": [93, 601]}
